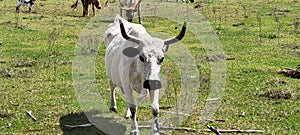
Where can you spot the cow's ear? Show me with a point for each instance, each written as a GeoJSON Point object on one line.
{"type": "Point", "coordinates": [131, 52]}
{"type": "Point", "coordinates": [165, 48]}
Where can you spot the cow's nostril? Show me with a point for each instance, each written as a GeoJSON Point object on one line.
{"type": "Point", "coordinates": [152, 84]}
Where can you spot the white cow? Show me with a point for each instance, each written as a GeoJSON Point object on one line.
{"type": "Point", "coordinates": [133, 59]}
{"type": "Point", "coordinates": [130, 6]}
{"type": "Point", "coordinates": [28, 3]}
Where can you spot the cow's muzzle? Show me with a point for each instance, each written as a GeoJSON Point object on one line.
{"type": "Point", "coordinates": [152, 84]}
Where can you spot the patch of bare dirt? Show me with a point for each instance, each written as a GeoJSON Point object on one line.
{"type": "Point", "coordinates": [277, 94]}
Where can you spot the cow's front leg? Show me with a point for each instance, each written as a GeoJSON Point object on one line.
{"type": "Point", "coordinates": [134, 124]}
{"type": "Point", "coordinates": [131, 104]}
{"type": "Point", "coordinates": [154, 95]}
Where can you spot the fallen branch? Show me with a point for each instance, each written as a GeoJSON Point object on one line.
{"type": "Point", "coordinates": [31, 115]}
{"type": "Point", "coordinates": [13, 103]}
{"type": "Point", "coordinates": [165, 107]}
{"type": "Point", "coordinates": [178, 113]}
{"type": "Point", "coordinates": [213, 130]}
{"type": "Point", "coordinates": [240, 131]}
{"type": "Point", "coordinates": [230, 58]}
{"type": "Point", "coordinates": [216, 120]}
{"type": "Point", "coordinates": [161, 107]}
{"type": "Point", "coordinates": [213, 99]}
{"type": "Point", "coordinates": [169, 128]}
{"type": "Point", "coordinates": [204, 130]}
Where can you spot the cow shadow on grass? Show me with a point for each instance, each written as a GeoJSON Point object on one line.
{"type": "Point", "coordinates": [77, 124]}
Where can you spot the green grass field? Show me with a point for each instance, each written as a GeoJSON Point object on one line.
{"type": "Point", "coordinates": [258, 38]}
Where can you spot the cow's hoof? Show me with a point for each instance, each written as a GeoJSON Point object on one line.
{"type": "Point", "coordinates": [99, 7]}
{"type": "Point", "coordinates": [113, 110]}
{"type": "Point", "coordinates": [127, 114]}
{"type": "Point", "coordinates": [135, 132]}
{"type": "Point", "coordinates": [127, 117]}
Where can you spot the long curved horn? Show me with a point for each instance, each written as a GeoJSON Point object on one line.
{"type": "Point", "coordinates": [127, 37]}
{"type": "Point", "coordinates": [177, 38]}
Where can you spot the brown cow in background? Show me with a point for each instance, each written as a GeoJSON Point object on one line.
{"type": "Point", "coordinates": [85, 6]}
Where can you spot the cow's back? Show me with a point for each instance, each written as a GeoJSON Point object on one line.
{"type": "Point", "coordinates": [129, 3]}
{"type": "Point", "coordinates": [115, 61]}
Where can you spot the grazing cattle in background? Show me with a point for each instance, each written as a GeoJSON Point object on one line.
{"type": "Point", "coordinates": [132, 60]}
{"type": "Point", "coordinates": [85, 6]}
{"type": "Point", "coordinates": [130, 6]}
{"type": "Point", "coordinates": [28, 3]}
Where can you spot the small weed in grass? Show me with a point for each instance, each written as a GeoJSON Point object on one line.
{"type": "Point", "coordinates": [53, 51]}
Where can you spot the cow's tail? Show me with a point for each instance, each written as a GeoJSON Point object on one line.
{"type": "Point", "coordinates": [75, 4]}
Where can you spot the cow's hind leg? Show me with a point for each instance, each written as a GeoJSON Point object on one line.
{"type": "Point", "coordinates": [113, 106]}
{"type": "Point", "coordinates": [121, 12]}
{"type": "Point", "coordinates": [93, 8]}
{"type": "Point", "coordinates": [85, 11]}
{"type": "Point", "coordinates": [154, 95]}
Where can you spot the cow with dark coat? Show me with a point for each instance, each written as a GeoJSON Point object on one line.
{"type": "Point", "coordinates": [28, 3]}
{"type": "Point", "coordinates": [85, 6]}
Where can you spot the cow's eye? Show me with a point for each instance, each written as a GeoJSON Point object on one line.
{"type": "Point", "coordinates": [160, 60]}
{"type": "Point", "coordinates": [142, 58]}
